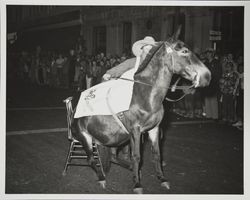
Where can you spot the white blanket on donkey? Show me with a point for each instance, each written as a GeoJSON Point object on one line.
{"type": "Point", "coordinates": [107, 98]}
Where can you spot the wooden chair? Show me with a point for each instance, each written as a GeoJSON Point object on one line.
{"type": "Point", "coordinates": [76, 151]}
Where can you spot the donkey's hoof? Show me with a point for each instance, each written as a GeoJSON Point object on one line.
{"type": "Point", "coordinates": [166, 185]}
{"type": "Point", "coordinates": [64, 173]}
{"type": "Point", "coordinates": [102, 184]}
{"type": "Point", "coordinates": [138, 190]}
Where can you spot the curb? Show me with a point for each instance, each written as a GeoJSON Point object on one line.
{"type": "Point", "coordinates": [25, 132]}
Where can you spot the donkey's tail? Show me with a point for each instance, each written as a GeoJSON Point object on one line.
{"type": "Point", "coordinates": [105, 157]}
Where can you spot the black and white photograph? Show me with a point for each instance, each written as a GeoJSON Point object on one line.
{"type": "Point", "coordinates": [102, 99]}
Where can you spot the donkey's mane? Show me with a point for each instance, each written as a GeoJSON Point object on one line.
{"type": "Point", "coordinates": [149, 56]}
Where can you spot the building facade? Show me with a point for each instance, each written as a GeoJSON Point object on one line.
{"type": "Point", "coordinates": [113, 29]}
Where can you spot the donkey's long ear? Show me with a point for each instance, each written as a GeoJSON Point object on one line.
{"type": "Point", "coordinates": [176, 34]}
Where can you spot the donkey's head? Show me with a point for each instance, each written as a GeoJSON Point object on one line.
{"type": "Point", "coordinates": [185, 63]}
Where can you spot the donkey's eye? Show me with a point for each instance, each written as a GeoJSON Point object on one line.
{"type": "Point", "coordinates": [185, 51]}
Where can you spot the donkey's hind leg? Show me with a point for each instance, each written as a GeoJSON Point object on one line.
{"type": "Point", "coordinates": [87, 142]}
{"type": "Point", "coordinates": [154, 137]}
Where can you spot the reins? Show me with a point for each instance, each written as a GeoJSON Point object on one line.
{"type": "Point", "coordinates": [172, 88]}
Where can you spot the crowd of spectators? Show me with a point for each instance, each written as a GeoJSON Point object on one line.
{"type": "Point", "coordinates": [222, 100]}
{"type": "Point", "coordinates": [72, 69]}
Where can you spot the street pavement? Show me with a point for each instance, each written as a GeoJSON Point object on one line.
{"type": "Point", "coordinates": [202, 157]}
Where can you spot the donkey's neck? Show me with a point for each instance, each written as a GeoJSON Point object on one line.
{"type": "Point", "coordinates": [159, 78]}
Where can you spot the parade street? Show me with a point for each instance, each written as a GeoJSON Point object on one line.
{"type": "Point", "coordinates": [202, 157]}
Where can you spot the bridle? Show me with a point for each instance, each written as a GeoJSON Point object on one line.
{"type": "Point", "coordinates": [174, 87]}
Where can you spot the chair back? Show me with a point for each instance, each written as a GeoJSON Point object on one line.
{"type": "Point", "coordinates": [70, 113]}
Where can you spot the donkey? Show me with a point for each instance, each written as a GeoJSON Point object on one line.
{"type": "Point", "coordinates": [152, 81]}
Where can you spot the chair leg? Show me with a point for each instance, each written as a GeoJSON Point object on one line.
{"type": "Point", "coordinates": [68, 158]}
{"type": "Point", "coordinates": [71, 150]}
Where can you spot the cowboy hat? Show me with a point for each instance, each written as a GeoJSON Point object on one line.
{"type": "Point", "coordinates": [137, 46]}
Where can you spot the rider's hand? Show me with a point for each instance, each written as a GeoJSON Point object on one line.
{"type": "Point", "coordinates": [106, 77]}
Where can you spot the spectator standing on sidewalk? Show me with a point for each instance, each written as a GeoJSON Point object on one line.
{"type": "Point", "coordinates": [24, 66]}
{"type": "Point", "coordinates": [37, 65]}
{"type": "Point", "coordinates": [71, 69]}
{"type": "Point", "coordinates": [33, 69]}
{"type": "Point", "coordinates": [212, 91]}
{"type": "Point", "coordinates": [89, 75]}
{"type": "Point", "coordinates": [228, 85]}
{"type": "Point", "coordinates": [82, 74]}
{"type": "Point", "coordinates": [65, 72]}
{"type": "Point", "coordinates": [240, 94]}
{"type": "Point", "coordinates": [101, 71]}
{"type": "Point", "coordinates": [59, 66]}
{"type": "Point", "coordinates": [54, 82]}
{"type": "Point", "coordinates": [95, 69]}
{"type": "Point", "coordinates": [77, 68]}
{"type": "Point", "coordinates": [41, 71]}
{"type": "Point", "coordinates": [230, 58]}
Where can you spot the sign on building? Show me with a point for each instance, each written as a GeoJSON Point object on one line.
{"type": "Point", "coordinates": [214, 35]}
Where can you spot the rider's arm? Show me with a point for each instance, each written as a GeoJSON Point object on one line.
{"type": "Point", "coordinates": [118, 70]}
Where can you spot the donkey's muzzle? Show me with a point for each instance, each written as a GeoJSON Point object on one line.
{"type": "Point", "coordinates": [203, 76]}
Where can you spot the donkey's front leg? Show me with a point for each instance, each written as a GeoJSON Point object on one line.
{"type": "Point", "coordinates": [136, 158]}
{"type": "Point", "coordinates": [154, 137]}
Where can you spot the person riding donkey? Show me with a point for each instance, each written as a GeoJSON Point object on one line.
{"type": "Point", "coordinates": [140, 50]}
